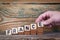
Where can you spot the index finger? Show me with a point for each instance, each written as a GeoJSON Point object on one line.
{"type": "Point", "coordinates": [40, 18]}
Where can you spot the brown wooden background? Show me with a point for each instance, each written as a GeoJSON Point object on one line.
{"type": "Point", "coordinates": [32, 1]}
{"type": "Point", "coordinates": [11, 19]}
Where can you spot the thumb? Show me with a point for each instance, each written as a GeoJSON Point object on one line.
{"type": "Point", "coordinates": [47, 22]}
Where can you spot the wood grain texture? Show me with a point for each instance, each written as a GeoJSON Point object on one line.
{"type": "Point", "coordinates": [31, 1]}
{"type": "Point", "coordinates": [40, 30]}
{"type": "Point", "coordinates": [51, 36]}
{"type": "Point", "coordinates": [15, 15]}
{"type": "Point", "coordinates": [26, 10]}
{"type": "Point", "coordinates": [33, 32]}
{"type": "Point", "coordinates": [48, 29]}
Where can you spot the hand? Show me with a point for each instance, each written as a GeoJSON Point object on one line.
{"type": "Point", "coordinates": [49, 17]}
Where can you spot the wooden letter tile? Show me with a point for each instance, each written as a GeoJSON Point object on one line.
{"type": "Point", "coordinates": [33, 29]}
{"type": "Point", "coordinates": [8, 32]}
{"type": "Point", "coordinates": [40, 29]}
{"type": "Point", "coordinates": [20, 30]}
{"type": "Point", "coordinates": [14, 31]}
{"type": "Point", "coordinates": [27, 29]}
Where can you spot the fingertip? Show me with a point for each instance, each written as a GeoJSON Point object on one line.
{"type": "Point", "coordinates": [45, 23]}
{"type": "Point", "coordinates": [36, 21]}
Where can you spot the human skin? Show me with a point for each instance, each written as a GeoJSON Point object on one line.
{"type": "Point", "coordinates": [49, 17]}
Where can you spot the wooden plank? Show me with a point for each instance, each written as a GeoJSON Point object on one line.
{"type": "Point", "coordinates": [31, 1]}
{"type": "Point", "coordinates": [26, 10]}
{"type": "Point", "coordinates": [45, 36]}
